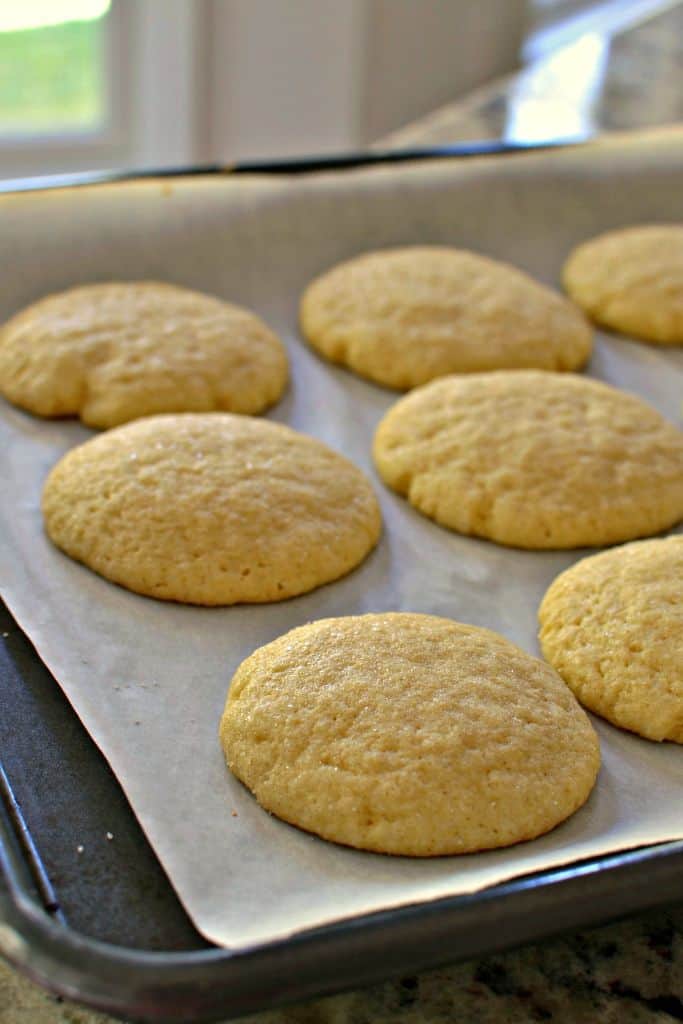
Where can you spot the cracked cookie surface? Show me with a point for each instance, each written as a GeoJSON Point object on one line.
{"type": "Point", "coordinates": [631, 280]}
{"type": "Point", "coordinates": [211, 509]}
{"type": "Point", "coordinates": [408, 734]}
{"type": "Point", "coordinates": [534, 459]}
{"type": "Point", "coordinates": [402, 317]}
{"type": "Point", "coordinates": [612, 626]}
{"type": "Point", "coordinates": [114, 352]}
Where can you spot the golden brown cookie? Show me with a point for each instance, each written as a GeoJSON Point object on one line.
{"type": "Point", "coordinates": [534, 459]}
{"type": "Point", "coordinates": [408, 734]}
{"type": "Point", "coordinates": [211, 509]}
{"type": "Point", "coordinates": [110, 353]}
{"type": "Point", "coordinates": [631, 280]}
{"type": "Point", "coordinates": [612, 626]}
{"type": "Point", "coordinates": [402, 317]}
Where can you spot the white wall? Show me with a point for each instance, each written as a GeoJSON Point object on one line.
{"type": "Point", "coordinates": [285, 75]}
{"type": "Point", "coordinates": [197, 81]}
{"type": "Point", "coordinates": [420, 54]}
{"type": "Point", "coordinates": [302, 76]}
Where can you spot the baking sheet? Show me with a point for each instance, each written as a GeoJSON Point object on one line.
{"type": "Point", "coordinates": [149, 679]}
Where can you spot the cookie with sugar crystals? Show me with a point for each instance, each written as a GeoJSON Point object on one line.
{"type": "Point", "coordinates": [114, 352]}
{"type": "Point", "coordinates": [408, 734]}
{"type": "Point", "coordinates": [612, 626]}
{"type": "Point", "coordinates": [631, 280]}
{"type": "Point", "coordinates": [402, 317]}
{"type": "Point", "coordinates": [211, 509]}
{"type": "Point", "coordinates": [534, 459]}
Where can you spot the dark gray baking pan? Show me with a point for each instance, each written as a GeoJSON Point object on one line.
{"type": "Point", "coordinates": [86, 909]}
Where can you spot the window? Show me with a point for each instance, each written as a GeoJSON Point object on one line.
{"type": "Point", "coordinates": [90, 84]}
{"type": "Point", "coordinates": [59, 110]}
{"type": "Point", "coordinates": [52, 67]}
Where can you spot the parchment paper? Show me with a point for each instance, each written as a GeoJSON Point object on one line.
{"type": "Point", "coordinates": [149, 679]}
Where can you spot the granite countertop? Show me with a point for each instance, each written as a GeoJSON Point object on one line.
{"type": "Point", "coordinates": [601, 81]}
{"type": "Point", "coordinates": [625, 973]}
{"type": "Point", "coordinates": [629, 972]}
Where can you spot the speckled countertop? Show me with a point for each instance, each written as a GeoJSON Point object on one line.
{"type": "Point", "coordinates": [597, 82]}
{"type": "Point", "coordinates": [625, 973]}
{"type": "Point", "coordinates": [630, 972]}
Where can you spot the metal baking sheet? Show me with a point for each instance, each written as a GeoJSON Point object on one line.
{"type": "Point", "coordinates": [258, 242]}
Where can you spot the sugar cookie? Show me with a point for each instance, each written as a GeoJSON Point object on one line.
{"type": "Point", "coordinates": [612, 626]}
{"type": "Point", "coordinates": [408, 734]}
{"type": "Point", "coordinates": [211, 509]}
{"type": "Point", "coordinates": [110, 353]}
{"type": "Point", "coordinates": [631, 280]}
{"type": "Point", "coordinates": [534, 459]}
{"type": "Point", "coordinates": [402, 317]}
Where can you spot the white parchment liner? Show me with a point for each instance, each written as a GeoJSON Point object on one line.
{"type": "Point", "coordinates": [149, 679]}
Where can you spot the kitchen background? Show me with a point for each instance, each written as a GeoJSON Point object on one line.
{"type": "Point", "coordinates": [120, 83]}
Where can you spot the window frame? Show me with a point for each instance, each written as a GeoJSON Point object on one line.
{"type": "Point", "coordinates": [155, 44]}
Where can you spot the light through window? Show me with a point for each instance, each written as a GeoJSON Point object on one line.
{"type": "Point", "coordinates": [52, 66]}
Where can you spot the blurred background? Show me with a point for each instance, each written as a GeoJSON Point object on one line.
{"type": "Point", "coordinates": [152, 83]}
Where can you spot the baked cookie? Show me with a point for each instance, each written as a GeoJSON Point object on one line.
{"type": "Point", "coordinates": [408, 734]}
{"type": "Point", "coordinates": [534, 459]}
{"type": "Point", "coordinates": [612, 626]}
{"type": "Point", "coordinates": [110, 353]}
{"type": "Point", "coordinates": [632, 281]}
{"type": "Point", "coordinates": [211, 509]}
{"type": "Point", "coordinates": [402, 317]}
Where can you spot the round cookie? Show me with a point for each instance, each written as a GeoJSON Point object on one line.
{"type": "Point", "coordinates": [408, 734]}
{"type": "Point", "coordinates": [632, 281]}
{"type": "Point", "coordinates": [612, 626]}
{"type": "Point", "coordinates": [211, 509]}
{"type": "Point", "coordinates": [402, 317]}
{"type": "Point", "coordinates": [110, 353]}
{"type": "Point", "coordinates": [534, 459]}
